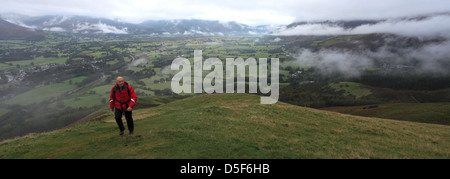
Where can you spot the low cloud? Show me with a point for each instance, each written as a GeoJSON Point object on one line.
{"type": "Point", "coordinates": [329, 62]}
{"type": "Point", "coordinates": [433, 58]}
{"type": "Point", "coordinates": [429, 59]}
{"type": "Point", "coordinates": [100, 27]}
{"type": "Point", "coordinates": [423, 27]}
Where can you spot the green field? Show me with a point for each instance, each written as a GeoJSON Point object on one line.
{"type": "Point", "coordinates": [92, 97]}
{"type": "Point", "coordinates": [237, 126]}
{"type": "Point", "coordinates": [351, 88]}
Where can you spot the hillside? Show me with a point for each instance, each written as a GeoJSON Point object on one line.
{"type": "Point", "coordinates": [435, 113]}
{"type": "Point", "coordinates": [9, 31]}
{"type": "Point", "coordinates": [94, 25]}
{"type": "Point", "coordinates": [237, 126]}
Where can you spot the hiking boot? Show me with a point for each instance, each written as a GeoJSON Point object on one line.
{"type": "Point", "coordinates": [121, 133]}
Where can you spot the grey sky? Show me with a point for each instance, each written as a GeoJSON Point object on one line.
{"type": "Point", "coordinates": [252, 12]}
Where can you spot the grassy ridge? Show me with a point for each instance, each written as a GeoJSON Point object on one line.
{"type": "Point", "coordinates": [237, 126]}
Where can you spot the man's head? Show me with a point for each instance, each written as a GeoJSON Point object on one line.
{"type": "Point", "coordinates": [120, 81]}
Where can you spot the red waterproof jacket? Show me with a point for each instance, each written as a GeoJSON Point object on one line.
{"type": "Point", "coordinates": [122, 99]}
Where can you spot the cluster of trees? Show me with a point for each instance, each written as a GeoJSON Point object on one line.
{"type": "Point", "coordinates": [404, 80]}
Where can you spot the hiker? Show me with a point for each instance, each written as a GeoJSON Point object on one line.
{"type": "Point", "coordinates": [122, 99]}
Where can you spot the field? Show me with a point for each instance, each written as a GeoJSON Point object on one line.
{"type": "Point", "coordinates": [351, 88]}
{"type": "Point", "coordinates": [236, 126]}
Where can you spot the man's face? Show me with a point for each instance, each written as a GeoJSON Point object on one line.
{"type": "Point", "coordinates": [120, 81]}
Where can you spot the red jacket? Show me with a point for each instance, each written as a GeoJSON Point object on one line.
{"type": "Point", "coordinates": [126, 96]}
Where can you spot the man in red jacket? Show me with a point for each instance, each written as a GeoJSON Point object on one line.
{"type": "Point", "coordinates": [123, 98]}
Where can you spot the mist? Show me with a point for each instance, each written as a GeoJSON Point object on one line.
{"type": "Point", "coordinates": [429, 59]}
{"type": "Point", "coordinates": [425, 58]}
{"type": "Point", "coordinates": [420, 26]}
{"type": "Point", "coordinates": [329, 62]}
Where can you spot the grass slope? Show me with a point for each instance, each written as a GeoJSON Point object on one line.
{"type": "Point", "coordinates": [237, 126]}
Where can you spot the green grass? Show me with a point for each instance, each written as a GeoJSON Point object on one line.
{"type": "Point", "coordinates": [351, 88]}
{"type": "Point", "coordinates": [102, 90]}
{"type": "Point", "coordinates": [112, 62]}
{"type": "Point", "coordinates": [149, 82]}
{"type": "Point", "coordinates": [90, 97]}
{"type": "Point", "coordinates": [236, 126]}
{"type": "Point", "coordinates": [76, 80]}
{"type": "Point", "coordinates": [437, 113]}
{"type": "Point", "coordinates": [86, 101]}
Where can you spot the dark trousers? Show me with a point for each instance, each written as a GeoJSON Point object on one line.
{"type": "Point", "coordinates": [118, 115]}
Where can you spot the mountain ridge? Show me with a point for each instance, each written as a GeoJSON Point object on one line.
{"type": "Point", "coordinates": [423, 26]}
{"type": "Point", "coordinates": [10, 31]}
{"type": "Point", "coordinates": [93, 25]}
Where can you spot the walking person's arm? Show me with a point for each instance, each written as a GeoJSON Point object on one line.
{"type": "Point", "coordinates": [133, 99]}
{"type": "Point", "coordinates": [111, 100]}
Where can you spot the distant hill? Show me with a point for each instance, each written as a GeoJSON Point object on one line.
{"type": "Point", "coordinates": [196, 26]}
{"type": "Point", "coordinates": [10, 31]}
{"type": "Point", "coordinates": [236, 126]}
{"type": "Point", "coordinates": [73, 24]}
{"type": "Point", "coordinates": [92, 25]}
{"type": "Point", "coordinates": [341, 23]}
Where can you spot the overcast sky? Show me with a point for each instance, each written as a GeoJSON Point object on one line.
{"type": "Point", "coordinates": [251, 12]}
